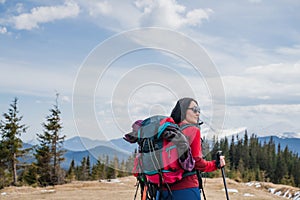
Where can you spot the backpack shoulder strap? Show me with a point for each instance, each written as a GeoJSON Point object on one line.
{"type": "Point", "coordinates": [199, 176]}
{"type": "Point", "coordinates": [184, 126]}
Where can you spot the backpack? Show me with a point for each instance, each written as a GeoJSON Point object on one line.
{"type": "Point", "coordinates": [164, 155]}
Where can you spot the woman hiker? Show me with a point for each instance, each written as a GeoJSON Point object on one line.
{"type": "Point", "coordinates": [186, 113]}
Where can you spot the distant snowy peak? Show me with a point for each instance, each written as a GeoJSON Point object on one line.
{"type": "Point", "coordinates": [280, 129]}
{"type": "Point", "coordinates": [209, 132]}
{"type": "Point", "coordinates": [284, 135]}
{"type": "Point", "coordinates": [289, 135]}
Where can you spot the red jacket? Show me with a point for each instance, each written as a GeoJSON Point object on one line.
{"type": "Point", "coordinates": [194, 136]}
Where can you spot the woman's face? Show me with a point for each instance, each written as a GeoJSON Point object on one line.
{"type": "Point", "coordinates": [192, 116]}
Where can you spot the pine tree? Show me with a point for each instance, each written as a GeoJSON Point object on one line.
{"type": "Point", "coordinates": [116, 167]}
{"type": "Point", "coordinates": [5, 179]}
{"type": "Point", "coordinates": [43, 160]}
{"type": "Point", "coordinates": [232, 154]}
{"type": "Point", "coordinates": [253, 150]}
{"type": "Point", "coordinates": [238, 152]}
{"type": "Point", "coordinates": [130, 162]}
{"type": "Point", "coordinates": [77, 172]}
{"type": "Point", "coordinates": [71, 176]}
{"type": "Point", "coordinates": [271, 158]}
{"type": "Point", "coordinates": [30, 175]}
{"type": "Point", "coordinates": [262, 157]}
{"type": "Point", "coordinates": [216, 147]}
{"type": "Point", "coordinates": [88, 168]}
{"type": "Point", "coordinates": [97, 171]}
{"type": "Point", "coordinates": [281, 167]}
{"type": "Point", "coordinates": [83, 170]}
{"type": "Point", "coordinates": [224, 147]}
{"type": "Point", "coordinates": [205, 149]}
{"type": "Point", "coordinates": [296, 171]}
{"type": "Point", "coordinates": [241, 169]}
{"type": "Point", "coordinates": [49, 153]}
{"type": "Point", "coordinates": [106, 168]}
{"type": "Point", "coordinates": [245, 150]}
{"type": "Point", "coordinates": [11, 144]}
{"type": "Point", "coordinates": [123, 171]}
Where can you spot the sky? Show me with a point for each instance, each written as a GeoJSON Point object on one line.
{"type": "Point", "coordinates": [113, 62]}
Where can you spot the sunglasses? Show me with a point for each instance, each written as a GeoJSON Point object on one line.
{"type": "Point", "coordinates": [195, 109]}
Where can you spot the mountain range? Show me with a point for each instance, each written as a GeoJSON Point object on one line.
{"type": "Point", "coordinates": [82, 143]}
{"type": "Point", "coordinates": [79, 147]}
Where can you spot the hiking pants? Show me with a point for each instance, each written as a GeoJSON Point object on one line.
{"type": "Point", "coordinates": [188, 194]}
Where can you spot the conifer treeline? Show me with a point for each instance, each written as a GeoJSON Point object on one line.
{"type": "Point", "coordinates": [248, 159]}
{"type": "Point", "coordinates": [102, 169]}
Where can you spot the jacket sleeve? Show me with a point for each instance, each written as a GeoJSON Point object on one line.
{"type": "Point", "coordinates": [193, 133]}
{"type": "Point", "coordinates": [205, 166]}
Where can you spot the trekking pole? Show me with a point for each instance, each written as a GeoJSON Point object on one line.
{"type": "Point", "coordinates": [219, 153]}
{"type": "Point", "coordinates": [136, 191]}
{"type": "Point", "coordinates": [201, 188]}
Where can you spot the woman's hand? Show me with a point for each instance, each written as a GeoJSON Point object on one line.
{"type": "Point", "coordinates": [222, 161]}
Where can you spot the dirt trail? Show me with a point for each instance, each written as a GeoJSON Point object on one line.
{"type": "Point", "coordinates": [124, 189]}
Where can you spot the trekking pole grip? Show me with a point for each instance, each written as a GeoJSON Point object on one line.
{"type": "Point", "coordinates": [219, 154]}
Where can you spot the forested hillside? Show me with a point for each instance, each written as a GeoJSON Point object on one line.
{"type": "Point", "coordinates": [249, 159]}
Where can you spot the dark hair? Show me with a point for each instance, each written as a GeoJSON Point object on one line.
{"type": "Point", "coordinates": [179, 111]}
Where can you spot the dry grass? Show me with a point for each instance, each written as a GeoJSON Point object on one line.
{"type": "Point", "coordinates": [125, 190]}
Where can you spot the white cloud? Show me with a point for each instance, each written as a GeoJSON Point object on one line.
{"type": "Point", "coordinates": [99, 8]}
{"type": "Point", "coordinates": [170, 14]}
{"type": "Point", "coordinates": [266, 118]}
{"type": "Point", "coordinates": [2, 1]}
{"type": "Point", "coordinates": [3, 30]}
{"type": "Point", "coordinates": [264, 95]}
{"type": "Point", "coordinates": [232, 131]}
{"type": "Point", "coordinates": [120, 15]}
{"type": "Point", "coordinates": [112, 15]}
{"type": "Point", "coordinates": [34, 81]}
{"type": "Point", "coordinates": [45, 14]}
{"type": "Point", "coordinates": [292, 51]}
{"type": "Point", "coordinates": [272, 109]}
{"type": "Point", "coordinates": [194, 17]}
{"type": "Point", "coordinates": [277, 73]}
{"type": "Point", "coordinates": [268, 84]}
